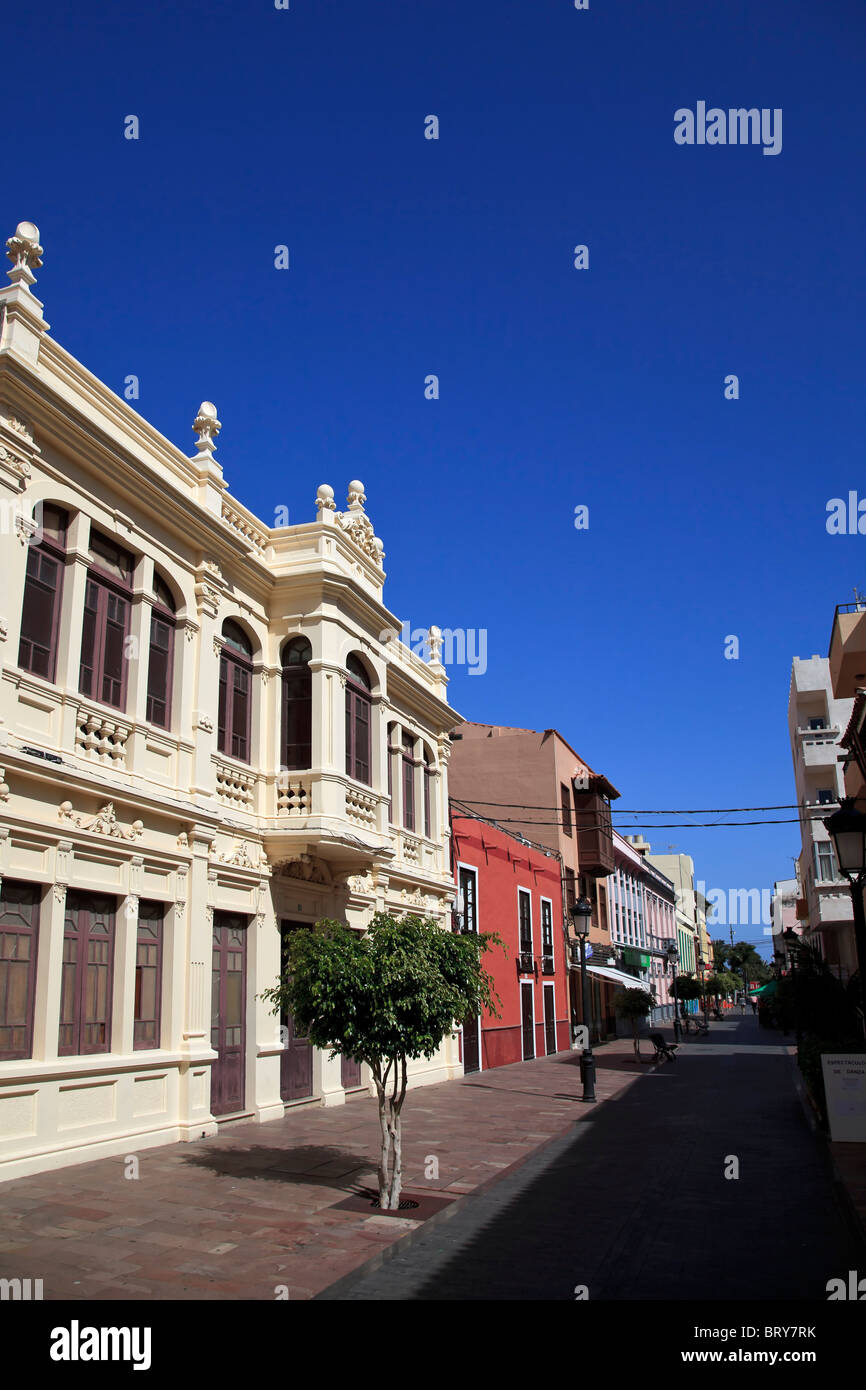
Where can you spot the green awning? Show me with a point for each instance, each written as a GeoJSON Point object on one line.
{"type": "Point", "coordinates": [768, 988]}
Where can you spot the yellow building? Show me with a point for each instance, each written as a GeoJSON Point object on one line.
{"type": "Point", "coordinates": [209, 735]}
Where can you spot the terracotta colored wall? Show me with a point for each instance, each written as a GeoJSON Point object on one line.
{"type": "Point", "coordinates": [504, 865]}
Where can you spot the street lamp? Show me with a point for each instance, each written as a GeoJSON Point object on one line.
{"type": "Point", "coordinates": [673, 956]}
{"type": "Point", "coordinates": [848, 828]}
{"type": "Point", "coordinates": [581, 914]}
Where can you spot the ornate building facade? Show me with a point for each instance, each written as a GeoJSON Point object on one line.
{"type": "Point", "coordinates": [210, 736]}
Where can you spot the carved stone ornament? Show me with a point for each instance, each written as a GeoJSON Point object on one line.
{"type": "Point", "coordinates": [4, 788]}
{"type": "Point", "coordinates": [15, 423]}
{"type": "Point", "coordinates": [60, 892]}
{"type": "Point", "coordinates": [360, 883]}
{"type": "Point", "coordinates": [239, 857]}
{"type": "Point", "coordinates": [207, 427]}
{"type": "Point", "coordinates": [306, 868]}
{"type": "Point", "coordinates": [103, 823]}
{"type": "Point", "coordinates": [23, 248]}
{"type": "Point", "coordinates": [4, 629]}
{"type": "Point", "coordinates": [358, 525]}
{"type": "Point", "coordinates": [14, 462]}
{"type": "Point", "coordinates": [205, 722]}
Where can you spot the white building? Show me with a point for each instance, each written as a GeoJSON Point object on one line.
{"type": "Point", "coordinates": [208, 738]}
{"type": "Point", "coordinates": [815, 723]}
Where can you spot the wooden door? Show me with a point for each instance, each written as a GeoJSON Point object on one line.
{"type": "Point", "coordinates": [527, 1022]}
{"type": "Point", "coordinates": [471, 1045]}
{"type": "Point", "coordinates": [350, 1073]}
{"type": "Point", "coordinates": [296, 1061]}
{"type": "Point", "coordinates": [549, 1019]}
{"type": "Point", "coordinates": [228, 1013]}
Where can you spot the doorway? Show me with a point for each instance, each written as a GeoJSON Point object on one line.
{"type": "Point", "coordinates": [296, 1058]}
{"type": "Point", "coordinates": [228, 1013]}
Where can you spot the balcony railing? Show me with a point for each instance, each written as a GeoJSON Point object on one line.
{"type": "Point", "coordinates": [547, 965]}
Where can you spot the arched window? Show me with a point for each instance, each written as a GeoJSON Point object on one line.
{"type": "Point", "coordinates": [161, 656]}
{"type": "Point", "coordinates": [43, 588]}
{"type": "Point", "coordinates": [107, 607]}
{"type": "Point", "coordinates": [236, 678]}
{"type": "Point", "coordinates": [408, 765]}
{"type": "Point", "coordinates": [296, 728]}
{"type": "Point", "coordinates": [429, 774]}
{"type": "Point", "coordinates": [358, 705]}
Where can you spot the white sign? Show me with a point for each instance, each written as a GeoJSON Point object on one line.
{"type": "Point", "coordinates": [845, 1090]}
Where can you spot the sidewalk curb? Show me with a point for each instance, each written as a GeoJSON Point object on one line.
{"type": "Point", "coordinates": [846, 1201]}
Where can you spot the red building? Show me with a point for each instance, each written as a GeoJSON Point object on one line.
{"type": "Point", "coordinates": [509, 886]}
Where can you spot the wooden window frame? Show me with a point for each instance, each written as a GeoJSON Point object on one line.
{"type": "Point", "coordinates": [297, 674]}
{"type": "Point", "coordinates": [140, 1044]}
{"type": "Point", "coordinates": [358, 697]}
{"type": "Point", "coordinates": [55, 552]}
{"type": "Point", "coordinates": [31, 932]}
{"type": "Point", "coordinates": [83, 935]}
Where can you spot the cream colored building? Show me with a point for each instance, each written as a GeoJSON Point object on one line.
{"type": "Point", "coordinates": [208, 737]}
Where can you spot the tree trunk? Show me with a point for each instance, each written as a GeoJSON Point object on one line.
{"type": "Point", "coordinates": [395, 1106]}
{"type": "Point", "coordinates": [385, 1147]}
{"type": "Point", "coordinates": [634, 1028]}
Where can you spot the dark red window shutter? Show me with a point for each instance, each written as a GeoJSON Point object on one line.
{"type": "Point", "coordinates": [115, 632]}
{"type": "Point", "coordinates": [240, 713]}
{"type": "Point", "coordinates": [222, 716]}
{"type": "Point", "coordinates": [88, 638]}
{"type": "Point", "coordinates": [39, 614]}
{"type": "Point", "coordinates": [148, 976]}
{"type": "Point", "coordinates": [408, 784]}
{"type": "Point", "coordinates": [362, 740]}
{"type": "Point", "coordinates": [159, 671]}
{"type": "Point", "coordinates": [297, 719]}
{"type": "Point", "coordinates": [19, 930]}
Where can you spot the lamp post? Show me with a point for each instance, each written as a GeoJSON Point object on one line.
{"type": "Point", "coordinates": [581, 914]}
{"type": "Point", "coordinates": [848, 828]}
{"type": "Point", "coordinates": [673, 956]}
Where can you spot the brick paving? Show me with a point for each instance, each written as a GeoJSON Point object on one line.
{"type": "Point", "coordinates": [626, 1197]}
{"type": "Point", "coordinates": [634, 1204]}
{"type": "Point", "coordinates": [255, 1207]}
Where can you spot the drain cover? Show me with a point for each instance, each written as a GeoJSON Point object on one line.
{"type": "Point", "coordinates": [407, 1205]}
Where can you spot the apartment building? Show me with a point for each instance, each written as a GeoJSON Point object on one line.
{"type": "Point", "coordinates": [642, 907]}
{"type": "Point", "coordinates": [817, 720]}
{"type": "Point", "coordinates": [532, 782]}
{"type": "Point", "coordinates": [210, 737]}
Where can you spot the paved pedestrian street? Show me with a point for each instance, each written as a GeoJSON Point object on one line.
{"type": "Point", "coordinates": [627, 1197]}
{"type": "Point", "coordinates": [633, 1203]}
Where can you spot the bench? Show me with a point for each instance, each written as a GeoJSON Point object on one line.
{"type": "Point", "coordinates": [666, 1052]}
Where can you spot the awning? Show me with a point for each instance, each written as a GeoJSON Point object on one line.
{"type": "Point", "coordinates": [768, 988]}
{"type": "Point", "coordinates": [619, 977]}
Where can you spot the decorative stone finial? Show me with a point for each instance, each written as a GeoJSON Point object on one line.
{"type": "Point", "coordinates": [356, 498]}
{"type": "Point", "coordinates": [24, 252]}
{"type": "Point", "coordinates": [434, 645]}
{"type": "Point", "coordinates": [207, 427]}
{"type": "Point", "coordinates": [325, 499]}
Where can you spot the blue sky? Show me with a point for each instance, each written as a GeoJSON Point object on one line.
{"type": "Point", "coordinates": [558, 387]}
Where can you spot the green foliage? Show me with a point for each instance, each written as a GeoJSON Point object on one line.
{"type": "Point", "coordinates": [744, 961]}
{"type": "Point", "coordinates": [684, 987]}
{"type": "Point", "coordinates": [392, 993]}
{"type": "Point", "coordinates": [720, 956]}
{"type": "Point", "coordinates": [633, 1003]}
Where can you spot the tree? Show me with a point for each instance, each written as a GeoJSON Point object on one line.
{"type": "Point", "coordinates": [384, 998]}
{"type": "Point", "coordinates": [744, 961]}
{"type": "Point", "coordinates": [634, 1004]}
{"type": "Point", "coordinates": [720, 956]}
